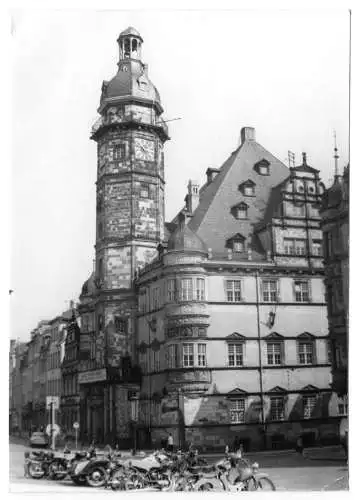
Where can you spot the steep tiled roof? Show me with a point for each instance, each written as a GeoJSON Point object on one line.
{"type": "Point", "coordinates": [184, 239]}
{"type": "Point", "coordinates": [213, 220]}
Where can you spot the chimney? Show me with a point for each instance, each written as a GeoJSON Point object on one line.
{"type": "Point", "coordinates": [192, 197]}
{"type": "Point", "coordinates": [247, 134]}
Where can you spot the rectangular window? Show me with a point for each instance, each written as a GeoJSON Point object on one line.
{"type": "Point", "coordinates": [241, 213]}
{"type": "Point", "coordinates": [121, 325]}
{"type": "Point", "coordinates": [293, 246]}
{"type": "Point", "coordinates": [186, 291]}
{"type": "Point", "coordinates": [235, 354]}
{"type": "Point", "coordinates": [249, 190]}
{"type": "Point", "coordinates": [343, 406]}
{"type": "Point", "coordinates": [306, 351]}
{"type": "Point", "coordinates": [171, 290]}
{"type": "Point", "coordinates": [200, 289]}
{"type": "Point", "coordinates": [172, 356]}
{"type": "Point", "coordinates": [144, 190]}
{"type": "Point", "coordinates": [156, 361]}
{"type": "Point", "coordinates": [317, 248]}
{"type": "Point", "coordinates": [202, 359]}
{"type": "Point", "coordinates": [299, 210]}
{"type": "Point", "coordinates": [237, 411]}
{"type": "Point", "coordinates": [300, 247]}
{"type": "Point", "coordinates": [119, 152]}
{"type": "Point", "coordinates": [155, 298]}
{"type": "Point", "coordinates": [277, 408]}
{"type": "Point", "coordinates": [233, 290]}
{"type": "Point", "coordinates": [188, 355]}
{"type": "Point", "coordinates": [269, 290]}
{"type": "Point", "coordinates": [238, 246]}
{"type": "Point", "coordinates": [301, 290]}
{"type": "Point", "coordinates": [309, 403]}
{"type": "Point", "coordinates": [274, 353]}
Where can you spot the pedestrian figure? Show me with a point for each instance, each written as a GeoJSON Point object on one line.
{"type": "Point", "coordinates": [300, 446]}
{"type": "Point", "coordinates": [26, 464]}
{"type": "Point", "coordinates": [345, 443]}
{"type": "Point", "coordinates": [170, 442]}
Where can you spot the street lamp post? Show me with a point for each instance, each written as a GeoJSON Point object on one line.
{"type": "Point", "coordinates": [134, 419]}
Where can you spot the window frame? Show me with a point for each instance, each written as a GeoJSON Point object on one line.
{"type": "Point", "coordinates": [317, 244]}
{"type": "Point", "coordinates": [342, 404]}
{"type": "Point", "coordinates": [188, 355]}
{"type": "Point", "coordinates": [281, 412]}
{"type": "Point", "coordinates": [271, 344]}
{"type": "Point", "coordinates": [119, 152]}
{"type": "Point", "coordinates": [237, 411]}
{"type": "Point", "coordinates": [302, 296]}
{"type": "Point", "coordinates": [291, 247]}
{"type": "Point", "coordinates": [303, 353]}
{"type": "Point", "coordinates": [307, 399]}
{"type": "Point", "coordinates": [232, 290]}
{"type": "Point", "coordinates": [144, 190]}
{"type": "Point", "coordinates": [268, 295]}
{"type": "Point", "coordinates": [186, 292]}
{"type": "Point", "coordinates": [238, 246]}
{"type": "Point", "coordinates": [235, 359]}
{"type": "Point", "coordinates": [171, 290]}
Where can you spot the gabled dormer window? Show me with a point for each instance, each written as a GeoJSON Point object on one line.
{"type": "Point", "coordinates": [262, 167]}
{"type": "Point", "coordinates": [236, 243]}
{"type": "Point", "coordinates": [240, 211]}
{"type": "Point", "coordinates": [247, 188]}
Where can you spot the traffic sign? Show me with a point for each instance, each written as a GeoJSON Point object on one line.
{"type": "Point", "coordinates": [52, 400]}
{"type": "Point", "coordinates": [76, 425]}
{"type": "Point", "coordinates": [56, 430]}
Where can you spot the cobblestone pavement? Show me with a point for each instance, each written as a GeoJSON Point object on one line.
{"type": "Point", "coordinates": [288, 472]}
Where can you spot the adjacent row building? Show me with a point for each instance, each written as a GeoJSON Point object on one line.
{"type": "Point", "coordinates": [212, 326]}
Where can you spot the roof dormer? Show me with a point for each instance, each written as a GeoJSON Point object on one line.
{"type": "Point", "coordinates": [247, 188]}
{"type": "Point", "coordinates": [262, 167]}
{"type": "Point", "coordinates": [240, 211]}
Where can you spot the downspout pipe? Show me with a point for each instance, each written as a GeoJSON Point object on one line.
{"type": "Point", "coordinates": [260, 356]}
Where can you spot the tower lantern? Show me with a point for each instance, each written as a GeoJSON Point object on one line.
{"type": "Point", "coordinates": [130, 43]}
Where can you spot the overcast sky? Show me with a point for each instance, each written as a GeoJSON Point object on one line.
{"type": "Point", "coordinates": [283, 72]}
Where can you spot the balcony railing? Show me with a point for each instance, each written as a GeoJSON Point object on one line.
{"type": "Point", "coordinates": [132, 116]}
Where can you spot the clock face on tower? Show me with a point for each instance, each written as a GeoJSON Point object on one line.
{"type": "Point", "coordinates": [144, 149]}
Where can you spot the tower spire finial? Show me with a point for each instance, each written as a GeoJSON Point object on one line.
{"type": "Point", "coordinates": [336, 156]}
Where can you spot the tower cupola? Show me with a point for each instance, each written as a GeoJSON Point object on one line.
{"type": "Point", "coordinates": [129, 43]}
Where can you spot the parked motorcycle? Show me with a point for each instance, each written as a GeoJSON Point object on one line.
{"type": "Point", "coordinates": [37, 463]}
{"type": "Point", "coordinates": [152, 471]}
{"type": "Point", "coordinates": [234, 474]}
{"type": "Point", "coordinates": [90, 469]}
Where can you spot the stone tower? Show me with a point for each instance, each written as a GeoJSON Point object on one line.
{"type": "Point", "coordinates": [130, 135]}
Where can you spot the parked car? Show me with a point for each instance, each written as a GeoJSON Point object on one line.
{"type": "Point", "coordinates": [38, 439]}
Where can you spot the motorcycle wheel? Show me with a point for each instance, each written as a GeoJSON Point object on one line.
{"type": "Point", "coordinates": [264, 483]}
{"type": "Point", "coordinates": [206, 487]}
{"type": "Point", "coordinates": [97, 478]}
{"type": "Point", "coordinates": [57, 471]}
{"type": "Point", "coordinates": [35, 472]}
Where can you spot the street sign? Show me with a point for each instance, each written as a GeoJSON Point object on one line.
{"type": "Point", "coordinates": [76, 425]}
{"type": "Point", "coordinates": [56, 430]}
{"type": "Point", "coordinates": [52, 400]}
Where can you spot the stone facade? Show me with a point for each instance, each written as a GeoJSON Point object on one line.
{"type": "Point", "coordinates": [335, 226]}
{"type": "Point", "coordinates": [130, 134]}
{"type": "Point", "coordinates": [233, 344]}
